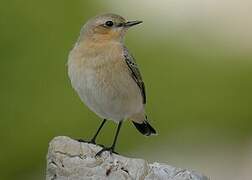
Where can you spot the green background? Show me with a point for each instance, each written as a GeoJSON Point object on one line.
{"type": "Point", "coordinates": [198, 90]}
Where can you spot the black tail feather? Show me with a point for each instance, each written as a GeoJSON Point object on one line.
{"type": "Point", "coordinates": [145, 128]}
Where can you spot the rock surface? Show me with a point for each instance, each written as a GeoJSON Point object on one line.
{"type": "Point", "coordinates": [69, 159]}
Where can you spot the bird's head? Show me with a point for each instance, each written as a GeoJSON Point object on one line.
{"type": "Point", "coordinates": [107, 27]}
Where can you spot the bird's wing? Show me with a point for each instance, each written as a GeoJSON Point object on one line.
{"type": "Point", "coordinates": [135, 73]}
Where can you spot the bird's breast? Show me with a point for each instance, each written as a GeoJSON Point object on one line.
{"type": "Point", "coordinates": [105, 85]}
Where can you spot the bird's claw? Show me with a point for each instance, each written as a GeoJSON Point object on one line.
{"type": "Point", "coordinates": [85, 141]}
{"type": "Point", "coordinates": [89, 142]}
{"type": "Point", "coordinates": [81, 140]}
{"type": "Point", "coordinates": [109, 149]}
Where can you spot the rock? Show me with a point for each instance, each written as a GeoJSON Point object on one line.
{"type": "Point", "coordinates": [69, 159]}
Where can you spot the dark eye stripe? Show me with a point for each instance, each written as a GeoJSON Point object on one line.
{"type": "Point", "coordinates": [120, 25]}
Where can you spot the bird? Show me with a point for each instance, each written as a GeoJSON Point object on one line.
{"type": "Point", "coordinates": [106, 76]}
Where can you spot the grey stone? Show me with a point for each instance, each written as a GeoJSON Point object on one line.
{"type": "Point", "coordinates": [69, 159]}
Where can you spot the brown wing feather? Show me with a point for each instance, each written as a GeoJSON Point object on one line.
{"type": "Point", "coordinates": [135, 73]}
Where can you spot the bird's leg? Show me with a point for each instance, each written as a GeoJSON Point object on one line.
{"type": "Point", "coordinates": [117, 133]}
{"type": "Point", "coordinates": [92, 141]}
{"type": "Point", "coordinates": [97, 132]}
{"type": "Point", "coordinates": [112, 148]}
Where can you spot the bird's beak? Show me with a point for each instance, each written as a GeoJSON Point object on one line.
{"type": "Point", "coordinates": [132, 23]}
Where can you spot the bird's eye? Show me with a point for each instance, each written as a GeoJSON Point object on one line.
{"type": "Point", "coordinates": [109, 23]}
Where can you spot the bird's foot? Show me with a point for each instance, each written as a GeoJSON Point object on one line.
{"type": "Point", "coordinates": [81, 140]}
{"type": "Point", "coordinates": [89, 142]}
{"type": "Point", "coordinates": [86, 141]}
{"type": "Point", "coordinates": [109, 149]}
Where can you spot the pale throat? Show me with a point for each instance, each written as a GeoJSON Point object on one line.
{"type": "Point", "coordinates": [101, 51]}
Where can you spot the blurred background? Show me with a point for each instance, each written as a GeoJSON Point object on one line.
{"type": "Point", "coordinates": [196, 60]}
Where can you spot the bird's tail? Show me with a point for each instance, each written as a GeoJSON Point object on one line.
{"type": "Point", "coordinates": [145, 128]}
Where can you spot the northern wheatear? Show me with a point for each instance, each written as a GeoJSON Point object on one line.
{"type": "Point", "coordinates": [106, 76]}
